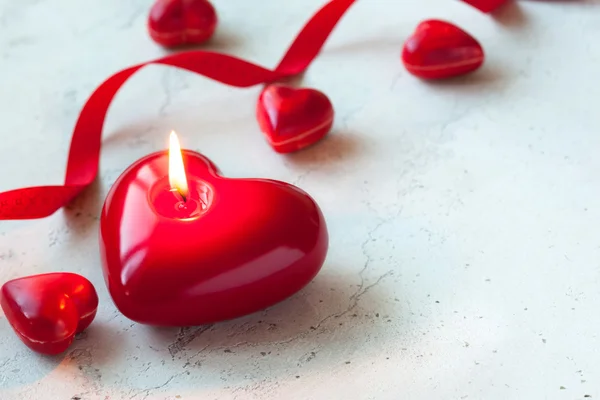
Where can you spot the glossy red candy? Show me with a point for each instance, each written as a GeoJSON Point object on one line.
{"type": "Point", "coordinates": [235, 246]}
{"type": "Point", "coordinates": [292, 119]}
{"type": "Point", "coordinates": [485, 6]}
{"type": "Point", "coordinates": [46, 311]}
{"type": "Point", "coordinates": [178, 22]}
{"type": "Point", "coordinates": [438, 49]}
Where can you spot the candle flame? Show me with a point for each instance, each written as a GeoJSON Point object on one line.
{"type": "Point", "coordinates": [177, 178]}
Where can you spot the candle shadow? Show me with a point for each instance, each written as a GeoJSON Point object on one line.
{"type": "Point", "coordinates": [330, 313]}
{"type": "Point", "coordinates": [320, 303]}
{"type": "Point", "coordinates": [488, 75]}
{"type": "Point", "coordinates": [336, 146]}
{"type": "Point", "coordinates": [511, 15]}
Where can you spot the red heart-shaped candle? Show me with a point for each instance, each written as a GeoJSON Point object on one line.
{"type": "Point", "coordinates": [46, 311]}
{"type": "Point", "coordinates": [485, 6]}
{"type": "Point", "coordinates": [178, 22]}
{"type": "Point", "coordinates": [439, 49]}
{"type": "Point", "coordinates": [232, 247]}
{"type": "Point", "coordinates": [292, 119]}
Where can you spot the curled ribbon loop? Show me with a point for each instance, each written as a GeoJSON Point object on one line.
{"type": "Point", "coordinates": [84, 152]}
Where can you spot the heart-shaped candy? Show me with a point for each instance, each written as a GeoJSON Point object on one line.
{"type": "Point", "coordinates": [439, 49]}
{"type": "Point", "coordinates": [485, 6]}
{"type": "Point", "coordinates": [232, 247]}
{"type": "Point", "coordinates": [292, 119]}
{"type": "Point", "coordinates": [178, 22]}
{"type": "Point", "coordinates": [46, 311]}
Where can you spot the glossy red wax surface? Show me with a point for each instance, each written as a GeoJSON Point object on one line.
{"type": "Point", "coordinates": [292, 119]}
{"type": "Point", "coordinates": [178, 22]}
{"type": "Point", "coordinates": [243, 244]}
{"type": "Point", "coordinates": [485, 6]}
{"type": "Point", "coordinates": [47, 310]}
{"type": "Point", "coordinates": [438, 49]}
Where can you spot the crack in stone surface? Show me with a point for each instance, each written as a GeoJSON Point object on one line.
{"type": "Point", "coordinates": [351, 114]}
{"type": "Point", "coordinates": [353, 303]}
{"type": "Point", "coordinates": [189, 359]}
{"type": "Point", "coordinates": [5, 363]}
{"type": "Point", "coordinates": [147, 392]}
{"type": "Point", "coordinates": [186, 336]}
{"type": "Point", "coordinates": [301, 177]}
{"type": "Point", "coordinates": [368, 260]}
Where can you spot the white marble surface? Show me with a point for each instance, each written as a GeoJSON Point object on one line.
{"type": "Point", "coordinates": [464, 217]}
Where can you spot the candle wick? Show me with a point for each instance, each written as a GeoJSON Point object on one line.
{"type": "Point", "coordinates": [183, 197]}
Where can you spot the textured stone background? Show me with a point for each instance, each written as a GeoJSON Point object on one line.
{"type": "Point", "coordinates": [464, 260]}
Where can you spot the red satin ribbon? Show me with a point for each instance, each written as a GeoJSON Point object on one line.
{"type": "Point", "coordinates": [84, 153]}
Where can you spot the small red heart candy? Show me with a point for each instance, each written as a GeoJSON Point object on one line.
{"type": "Point", "coordinates": [292, 119]}
{"type": "Point", "coordinates": [485, 6]}
{"type": "Point", "coordinates": [439, 49]}
{"type": "Point", "coordinates": [46, 311]}
{"type": "Point", "coordinates": [178, 22]}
